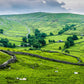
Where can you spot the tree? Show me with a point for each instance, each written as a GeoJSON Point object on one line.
{"type": "Point", "coordinates": [51, 34]}
{"type": "Point", "coordinates": [14, 45]}
{"type": "Point", "coordinates": [1, 31]}
{"type": "Point", "coordinates": [1, 44]}
{"type": "Point", "coordinates": [42, 41]}
{"type": "Point", "coordinates": [67, 51]}
{"type": "Point", "coordinates": [60, 32]}
{"type": "Point", "coordinates": [37, 32]}
{"type": "Point", "coordinates": [74, 37]}
{"type": "Point", "coordinates": [60, 48]}
{"type": "Point", "coordinates": [70, 39]}
{"type": "Point", "coordinates": [36, 40]}
{"type": "Point", "coordinates": [67, 44]}
{"type": "Point", "coordinates": [36, 45]}
{"type": "Point", "coordinates": [24, 39]}
{"type": "Point", "coordinates": [66, 28]}
{"type": "Point", "coordinates": [5, 43]}
{"type": "Point", "coordinates": [29, 36]}
{"type": "Point", "coordinates": [43, 35]}
{"type": "Point", "coordinates": [74, 28]}
{"type": "Point", "coordinates": [53, 41]}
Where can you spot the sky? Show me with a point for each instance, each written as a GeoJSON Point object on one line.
{"type": "Point", "coordinates": [30, 6]}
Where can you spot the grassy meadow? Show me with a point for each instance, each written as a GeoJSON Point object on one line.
{"type": "Point", "coordinates": [39, 71]}
{"type": "Point", "coordinates": [36, 70]}
{"type": "Point", "coordinates": [4, 57]}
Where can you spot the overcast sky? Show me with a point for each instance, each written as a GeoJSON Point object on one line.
{"type": "Point", "coordinates": [28, 6]}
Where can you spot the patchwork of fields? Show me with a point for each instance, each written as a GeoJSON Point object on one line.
{"type": "Point", "coordinates": [36, 70]}
{"type": "Point", "coordinates": [39, 71]}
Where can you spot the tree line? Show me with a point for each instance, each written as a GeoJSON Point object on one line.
{"type": "Point", "coordinates": [5, 43]}
{"type": "Point", "coordinates": [67, 27]}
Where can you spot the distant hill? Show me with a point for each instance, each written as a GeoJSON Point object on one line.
{"type": "Point", "coordinates": [21, 25]}
{"type": "Point", "coordinates": [47, 22]}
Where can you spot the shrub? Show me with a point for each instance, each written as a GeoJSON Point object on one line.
{"type": "Point", "coordinates": [60, 48]}
{"type": "Point", "coordinates": [67, 51]}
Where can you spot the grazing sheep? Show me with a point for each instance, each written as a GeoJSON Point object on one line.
{"type": "Point", "coordinates": [75, 72]}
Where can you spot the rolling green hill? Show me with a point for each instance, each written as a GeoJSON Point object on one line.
{"type": "Point", "coordinates": [39, 71]}
{"type": "Point", "coordinates": [36, 70]}
{"type": "Point", "coordinates": [20, 25]}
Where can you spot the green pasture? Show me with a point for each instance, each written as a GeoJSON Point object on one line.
{"type": "Point", "coordinates": [4, 57]}
{"type": "Point", "coordinates": [36, 70]}
{"type": "Point", "coordinates": [39, 71]}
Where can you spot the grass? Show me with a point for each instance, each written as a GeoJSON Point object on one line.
{"type": "Point", "coordinates": [4, 57]}
{"type": "Point", "coordinates": [57, 38]}
{"type": "Point", "coordinates": [18, 25]}
{"type": "Point", "coordinates": [39, 71]}
{"type": "Point", "coordinates": [36, 70]}
{"type": "Point", "coordinates": [57, 56]}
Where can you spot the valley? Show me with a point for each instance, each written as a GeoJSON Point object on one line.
{"type": "Point", "coordinates": [45, 64]}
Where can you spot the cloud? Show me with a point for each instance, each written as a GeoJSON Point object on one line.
{"type": "Point", "coordinates": [74, 6]}
{"type": "Point", "coordinates": [26, 6]}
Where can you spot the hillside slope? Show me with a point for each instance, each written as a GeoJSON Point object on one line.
{"type": "Point", "coordinates": [20, 25]}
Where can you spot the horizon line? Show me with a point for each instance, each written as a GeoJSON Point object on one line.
{"type": "Point", "coordinates": [41, 12]}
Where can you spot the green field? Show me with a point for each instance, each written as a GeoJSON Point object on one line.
{"type": "Point", "coordinates": [36, 70]}
{"type": "Point", "coordinates": [19, 25]}
{"type": "Point", "coordinates": [39, 71]}
{"type": "Point", "coordinates": [4, 57]}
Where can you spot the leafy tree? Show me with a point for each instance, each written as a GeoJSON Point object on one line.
{"type": "Point", "coordinates": [42, 41]}
{"type": "Point", "coordinates": [36, 45]}
{"type": "Point", "coordinates": [43, 35]}
{"type": "Point", "coordinates": [81, 37]}
{"type": "Point", "coordinates": [37, 32]}
{"type": "Point", "coordinates": [60, 48]}
{"type": "Point", "coordinates": [51, 34]}
{"type": "Point", "coordinates": [5, 43]}
{"type": "Point", "coordinates": [24, 39]}
{"type": "Point", "coordinates": [69, 38]}
{"type": "Point", "coordinates": [75, 37]}
{"type": "Point", "coordinates": [67, 51]}
{"type": "Point", "coordinates": [49, 41]}
{"type": "Point", "coordinates": [14, 45]}
{"type": "Point", "coordinates": [67, 44]}
{"type": "Point", "coordinates": [1, 31]}
{"type": "Point", "coordinates": [53, 41]}
{"type": "Point", "coordinates": [24, 44]}
{"type": "Point", "coordinates": [36, 40]}
{"type": "Point", "coordinates": [67, 27]}
{"type": "Point", "coordinates": [1, 44]}
{"type": "Point", "coordinates": [29, 36]}
{"type": "Point", "coordinates": [71, 41]}
{"type": "Point", "coordinates": [74, 28]}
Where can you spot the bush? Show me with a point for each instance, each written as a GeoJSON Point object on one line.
{"type": "Point", "coordinates": [1, 31]}
{"type": "Point", "coordinates": [67, 44]}
{"type": "Point", "coordinates": [51, 34]}
{"type": "Point", "coordinates": [60, 48]}
{"type": "Point", "coordinates": [81, 37]}
{"type": "Point", "coordinates": [74, 37]}
{"type": "Point", "coordinates": [67, 51]}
